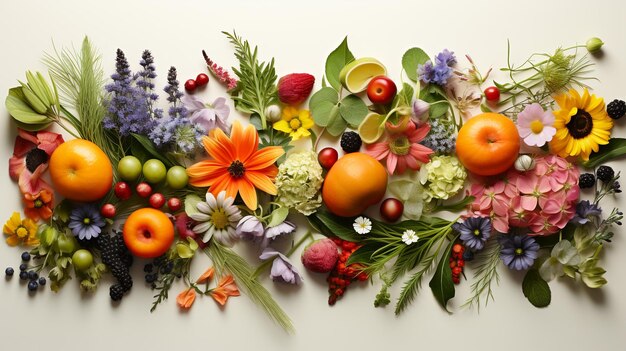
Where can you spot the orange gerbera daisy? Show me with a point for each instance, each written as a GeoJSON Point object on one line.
{"type": "Point", "coordinates": [236, 164]}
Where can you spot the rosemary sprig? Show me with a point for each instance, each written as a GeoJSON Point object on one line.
{"type": "Point", "coordinates": [485, 275]}
{"type": "Point", "coordinates": [257, 80]}
{"type": "Point", "coordinates": [164, 284]}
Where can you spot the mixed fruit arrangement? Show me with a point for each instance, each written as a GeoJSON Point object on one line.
{"type": "Point", "coordinates": [137, 183]}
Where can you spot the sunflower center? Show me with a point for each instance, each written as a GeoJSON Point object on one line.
{"type": "Point", "coordinates": [519, 251]}
{"type": "Point", "coordinates": [38, 203]}
{"type": "Point", "coordinates": [536, 126]}
{"type": "Point", "coordinates": [400, 146]}
{"type": "Point", "coordinates": [295, 124]}
{"type": "Point", "coordinates": [580, 125]}
{"type": "Point", "coordinates": [34, 158]}
{"type": "Point", "coordinates": [219, 218]}
{"type": "Point", "coordinates": [236, 169]}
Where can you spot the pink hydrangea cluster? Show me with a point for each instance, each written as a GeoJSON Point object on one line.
{"type": "Point", "coordinates": [542, 199]}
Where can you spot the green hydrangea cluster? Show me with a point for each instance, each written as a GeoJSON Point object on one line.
{"type": "Point", "coordinates": [299, 181]}
{"type": "Point", "coordinates": [442, 177]}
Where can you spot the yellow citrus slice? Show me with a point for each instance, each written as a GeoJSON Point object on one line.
{"type": "Point", "coordinates": [372, 127]}
{"type": "Point", "coordinates": [357, 74]}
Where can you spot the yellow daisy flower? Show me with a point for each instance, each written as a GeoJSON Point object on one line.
{"type": "Point", "coordinates": [295, 122]}
{"type": "Point", "coordinates": [582, 124]}
{"type": "Point", "coordinates": [20, 231]}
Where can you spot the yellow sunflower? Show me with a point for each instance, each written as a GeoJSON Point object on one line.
{"type": "Point", "coordinates": [582, 124]}
{"type": "Point", "coordinates": [295, 122]}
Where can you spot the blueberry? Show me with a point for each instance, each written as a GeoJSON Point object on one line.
{"type": "Point", "coordinates": [23, 267]}
{"type": "Point", "coordinates": [25, 256]}
{"type": "Point", "coordinates": [9, 271]}
{"type": "Point", "coordinates": [32, 275]}
{"type": "Point", "coordinates": [23, 275]}
{"type": "Point", "coordinates": [32, 285]}
{"type": "Point", "coordinates": [151, 278]}
{"type": "Point", "coordinates": [42, 281]}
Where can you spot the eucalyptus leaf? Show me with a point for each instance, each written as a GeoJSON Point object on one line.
{"type": "Point", "coordinates": [536, 290]}
{"type": "Point", "coordinates": [337, 59]}
{"type": "Point", "coordinates": [353, 110]}
{"type": "Point", "coordinates": [438, 109]}
{"type": "Point", "coordinates": [411, 59]}
{"type": "Point", "coordinates": [337, 125]}
{"type": "Point", "coordinates": [322, 104]}
{"type": "Point", "coordinates": [614, 149]}
{"type": "Point", "coordinates": [279, 215]}
{"type": "Point", "coordinates": [441, 283]}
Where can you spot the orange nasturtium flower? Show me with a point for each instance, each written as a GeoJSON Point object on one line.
{"type": "Point", "coordinates": [20, 231]}
{"type": "Point", "coordinates": [186, 298]}
{"type": "Point", "coordinates": [236, 164]}
{"type": "Point", "coordinates": [206, 276]}
{"type": "Point", "coordinates": [225, 288]}
{"type": "Point", "coordinates": [38, 206]}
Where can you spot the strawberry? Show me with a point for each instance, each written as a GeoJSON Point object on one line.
{"type": "Point", "coordinates": [295, 88]}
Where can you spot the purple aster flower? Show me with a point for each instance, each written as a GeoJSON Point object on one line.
{"type": "Point", "coordinates": [474, 231]}
{"type": "Point", "coordinates": [274, 232]}
{"type": "Point", "coordinates": [518, 251]}
{"type": "Point", "coordinates": [86, 222]}
{"type": "Point", "coordinates": [250, 228]}
{"type": "Point", "coordinates": [282, 269]}
{"type": "Point", "coordinates": [209, 116]}
{"type": "Point", "coordinates": [585, 211]}
{"type": "Point", "coordinates": [446, 57]}
{"type": "Point", "coordinates": [439, 72]}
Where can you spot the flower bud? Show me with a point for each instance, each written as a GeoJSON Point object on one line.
{"type": "Point", "coordinates": [272, 113]}
{"type": "Point", "coordinates": [420, 111]}
{"type": "Point", "coordinates": [524, 163]}
{"type": "Point", "coordinates": [250, 228]}
{"type": "Point", "coordinates": [594, 44]}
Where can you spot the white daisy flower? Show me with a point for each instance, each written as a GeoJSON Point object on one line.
{"type": "Point", "coordinates": [362, 225]}
{"type": "Point", "coordinates": [409, 237]}
{"type": "Point", "coordinates": [218, 218]}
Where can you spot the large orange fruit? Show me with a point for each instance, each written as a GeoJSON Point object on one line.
{"type": "Point", "coordinates": [81, 171]}
{"type": "Point", "coordinates": [355, 182]}
{"type": "Point", "coordinates": [148, 233]}
{"type": "Point", "coordinates": [488, 144]}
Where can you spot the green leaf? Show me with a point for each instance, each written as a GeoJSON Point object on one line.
{"type": "Point", "coordinates": [363, 254]}
{"type": "Point", "coordinates": [615, 148]}
{"type": "Point", "coordinates": [337, 59]}
{"type": "Point", "coordinates": [336, 226]}
{"type": "Point", "coordinates": [20, 110]}
{"type": "Point", "coordinates": [191, 201]}
{"type": "Point", "coordinates": [441, 283]}
{"type": "Point", "coordinates": [439, 109]}
{"type": "Point", "coordinates": [406, 94]}
{"type": "Point", "coordinates": [536, 290]}
{"type": "Point", "coordinates": [255, 120]}
{"type": "Point", "coordinates": [455, 207]}
{"type": "Point", "coordinates": [149, 147]}
{"type": "Point", "coordinates": [278, 216]}
{"type": "Point", "coordinates": [484, 108]}
{"type": "Point", "coordinates": [336, 126]}
{"type": "Point", "coordinates": [323, 106]}
{"type": "Point", "coordinates": [410, 60]}
{"type": "Point", "coordinates": [184, 251]}
{"type": "Point", "coordinates": [353, 110]}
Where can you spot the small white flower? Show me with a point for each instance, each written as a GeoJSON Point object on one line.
{"type": "Point", "coordinates": [217, 218]}
{"type": "Point", "coordinates": [409, 237]}
{"type": "Point", "coordinates": [362, 225]}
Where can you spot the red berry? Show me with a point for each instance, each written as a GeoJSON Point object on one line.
{"type": "Point", "coordinates": [492, 94]}
{"type": "Point", "coordinates": [457, 270]}
{"type": "Point", "coordinates": [157, 200]}
{"type": "Point", "coordinates": [327, 157]}
{"type": "Point", "coordinates": [107, 210]}
{"type": "Point", "coordinates": [457, 248]}
{"type": "Point", "coordinates": [391, 209]}
{"type": "Point", "coordinates": [122, 191]}
{"type": "Point", "coordinates": [202, 80]}
{"type": "Point", "coordinates": [144, 189]}
{"type": "Point", "coordinates": [174, 204]}
{"type": "Point", "coordinates": [191, 85]}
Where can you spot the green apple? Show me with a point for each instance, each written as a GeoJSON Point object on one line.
{"type": "Point", "coordinates": [129, 168]}
{"type": "Point", "coordinates": [177, 177]}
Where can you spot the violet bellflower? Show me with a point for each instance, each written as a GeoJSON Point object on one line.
{"type": "Point", "coordinates": [585, 212]}
{"type": "Point", "coordinates": [250, 228]}
{"type": "Point", "coordinates": [282, 269]}
{"type": "Point", "coordinates": [271, 233]}
{"type": "Point", "coordinates": [518, 251]}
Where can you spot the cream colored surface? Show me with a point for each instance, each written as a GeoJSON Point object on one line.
{"type": "Point", "coordinates": [300, 35]}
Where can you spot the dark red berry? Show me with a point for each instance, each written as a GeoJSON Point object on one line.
{"type": "Point", "coordinates": [202, 80]}
{"type": "Point", "coordinates": [191, 85]}
{"type": "Point", "coordinates": [157, 200]}
{"type": "Point", "coordinates": [327, 157]}
{"type": "Point", "coordinates": [122, 191]}
{"type": "Point", "coordinates": [174, 204]}
{"type": "Point", "coordinates": [144, 189]}
{"type": "Point", "coordinates": [107, 210]}
{"type": "Point", "coordinates": [492, 94]}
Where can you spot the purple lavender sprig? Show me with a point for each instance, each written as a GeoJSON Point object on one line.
{"type": "Point", "coordinates": [144, 80]}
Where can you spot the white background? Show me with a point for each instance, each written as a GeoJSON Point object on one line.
{"type": "Point", "coordinates": [300, 36]}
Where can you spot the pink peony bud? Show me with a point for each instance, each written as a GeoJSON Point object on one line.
{"type": "Point", "coordinates": [320, 256]}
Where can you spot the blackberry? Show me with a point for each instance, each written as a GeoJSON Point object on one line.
{"type": "Point", "coordinates": [9, 271]}
{"type": "Point", "coordinates": [586, 180]}
{"type": "Point", "coordinates": [351, 142]}
{"type": "Point", "coordinates": [616, 109]}
{"type": "Point", "coordinates": [116, 256]}
{"type": "Point", "coordinates": [32, 285]}
{"type": "Point", "coordinates": [116, 292]}
{"type": "Point", "coordinates": [25, 256]}
{"type": "Point", "coordinates": [605, 173]}
{"type": "Point", "coordinates": [148, 268]}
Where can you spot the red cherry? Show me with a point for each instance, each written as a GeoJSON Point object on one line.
{"type": "Point", "coordinates": [191, 85]}
{"type": "Point", "coordinates": [492, 94]}
{"type": "Point", "coordinates": [202, 80]}
{"type": "Point", "coordinates": [391, 209]}
{"type": "Point", "coordinates": [174, 204]}
{"type": "Point", "coordinates": [122, 191]}
{"type": "Point", "coordinates": [381, 90]}
{"type": "Point", "coordinates": [327, 157]}
{"type": "Point", "coordinates": [107, 210]}
{"type": "Point", "coordinates": [157, 200]}
{"type": "Point", "coordinates": [144, 189]}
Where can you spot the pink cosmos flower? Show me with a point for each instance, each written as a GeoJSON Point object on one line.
{"type": "Point", "coordinates": [402, 150]}
{"type": "Point", "coordinates": [30, 159]}
{"type": "Point", "coordinates": [535, 125]}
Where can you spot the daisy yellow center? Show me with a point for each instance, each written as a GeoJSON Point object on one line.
{"type": "Point", "coordinates": [519, 251]}
{"type": "Point", "coordinates": [580, 124]}
{"type": "Point", "coordinates": [86, 220]}
{"type": "Point", "coordinates": [219, 218]}
{"type": "Point", "coordinates": [38, 203]}
{"type": "Point", "coordinates": [21, 231]}
{"type": "Point", "coordinates": [400, 146]}
{"type": "Point", "coordinates": [476, 232]}
{"type": "Point", "coordinates": [236, 169]}
{"type": "Point", "coordinates": [536, 126]}
{"type": "Point", "coordinates": [295, 123]}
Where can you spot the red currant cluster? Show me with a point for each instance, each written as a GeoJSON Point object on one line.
{"type": "Point", "coordinates": [457, 262]}
{"type": "Point", "coordinates": [342, 276]}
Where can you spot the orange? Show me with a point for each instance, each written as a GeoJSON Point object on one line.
{"type": "Point", "coordinates": [148, 233]}
{"type": "Point", "coordinates": [355, 182]}
{"type": "Point", "coordinates": [488, 144]}
{"type": "Point", "coordinates": [81, 171]}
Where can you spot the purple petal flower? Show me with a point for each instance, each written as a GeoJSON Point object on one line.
{"type": "Point", "coordinates": [274, 232]}
{"type": "Point", "coordinates": [209, 116]}
{"type": "Point", "coordinates": [420, 111]}
{"type": "Point", "coordinates": [86, 222]}
{"type": "Point", "coordinates": [518, 251]}
{"type": "Point", "coordinates": [585, 211]}
{"type": "Point", "coordinates": [446, 57]}
{"type": "Point", "coordinates": [250, 228]}
{"type": "Point", "coordinates": [282, 269]}
{"type": "Point", "coordinates": [474, 232]}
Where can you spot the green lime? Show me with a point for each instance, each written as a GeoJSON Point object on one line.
{"type": "Point", "coordinates": [372, 128]}
{"type": "Point", "coordinates": [357, 74]}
